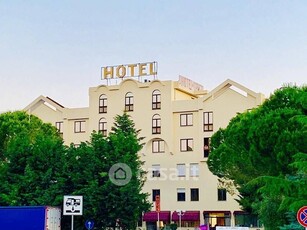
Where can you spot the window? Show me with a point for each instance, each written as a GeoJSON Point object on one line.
{"type": "Point", "coordinates": [102, 126]}
{"type": "Point", "coordinates": [221, 194]}
{"type": "Point", "coordinates": [103, 103]}
{"type": "Point", "coordinates": [194, 194]}
{"type": "Point", "coordinates": [129, 102]}
{"type": "Point", "coordinates": [208, 121]}
{"type": "Point", "coordinates": [79, 127]}
{"type": "Point", "coordinates": [156, 124]}
{"type": "Point", "coordinates": [158, 146]}
{"type": "Point", "coordinates": [181, 170]}
{"type": "Point", "coordinates": [59, 126]}
{"type": "Point", "coordinates": [186, 145]}
{"type": "Point", "coordinates": [186, 119]}
{"type": "Point", "coordinates": [206, 146]}
{"type": "Point", "coordinates": [194, 169]}
{"type": "Point", "coordinates": [156, 170]}
{"type": "Point", "coordinates": [156, 99]}
{"type": "Point", "coordinates": [180, 194]}
{"type": "Point", "coordinates": [155, 192]}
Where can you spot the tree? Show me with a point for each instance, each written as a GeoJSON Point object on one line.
{"type": "Point", "coordinates": [89, 173]}
{"type": "Point", "coordinates": [31, 155]}
{"type": "Point", "coordinates": [260, 152]}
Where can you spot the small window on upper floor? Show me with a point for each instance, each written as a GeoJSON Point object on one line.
{"type": "Point", "coordinates": [156, 170]}
{"type": "Point", "coordinates": [221, 194]}
{"type": "Point", "coordinates": [156, 124]}
{"type": "Point", "coordinates": [129, 102]}
{"type": "Point", "coordinates": [206, 146]}
{"type": "Point", "coordinates": [59, 126]}
{"type": "Point", "coordinates": [158, 146]}
{"type": "Point", "coordinates": [102, 126]}
{"type": "Point", "coordinates": [103, 103]}
{"type": "Point", "coordinates": [156, 99]}
{"type": "Point", "coordinates": [186, 145]}
{"type": "Point", "coordinates": [79, 127]}
{"type": "Point", "coordinates": [186, 119]}
{"type": "Point", "coordinates": [208, 121]}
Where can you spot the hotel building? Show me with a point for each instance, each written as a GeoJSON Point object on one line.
{"type": "Point", "coordinates": [177, 119]}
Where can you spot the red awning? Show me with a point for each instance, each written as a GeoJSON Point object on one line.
{"type": "Point", "coordinates": [153, 216]}
{"type": "Point", "coordinates": [187, 216]}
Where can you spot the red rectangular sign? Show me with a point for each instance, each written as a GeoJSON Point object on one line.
{"type": "Point", "coordinates": [157, 203]}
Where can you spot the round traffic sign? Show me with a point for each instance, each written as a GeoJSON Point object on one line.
{"type": "Point", "coordinates": [89, 224]}
{"type": "Point", "coordinates": [302, 216]}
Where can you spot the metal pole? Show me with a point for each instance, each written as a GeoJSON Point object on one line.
{"type": "Point", "coordinates": [158, 221]}
{"type": "Point", "coordinates": [180, 220]}
{"type": "Point", "coordinates": [72, 222]}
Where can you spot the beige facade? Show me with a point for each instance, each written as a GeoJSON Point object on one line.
{"type": "Point", "coordinates": [177, 123]}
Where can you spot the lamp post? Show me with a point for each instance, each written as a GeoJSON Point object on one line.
{"type": "Point", "coordinates": [180, 214]}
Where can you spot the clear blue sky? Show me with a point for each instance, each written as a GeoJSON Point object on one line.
{"type": "Point", "coordinates": [56, 48]}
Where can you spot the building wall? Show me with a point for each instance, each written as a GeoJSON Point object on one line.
{"type": "Point", "coordinates": [224, 102]}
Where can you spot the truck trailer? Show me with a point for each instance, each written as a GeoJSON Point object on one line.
{"type": "Point", "coordinates": [30, 218]}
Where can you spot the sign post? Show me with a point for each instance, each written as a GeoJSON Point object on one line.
{"type": "Point", "coordinates": [302, 216]}
{"type": "Point", "coordinates": [73, 206]}
{"type": "Point", "coordinates": [158, 209]}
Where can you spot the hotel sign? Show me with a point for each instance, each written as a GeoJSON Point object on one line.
{"type": "Point", "coordinates": [129, 70]}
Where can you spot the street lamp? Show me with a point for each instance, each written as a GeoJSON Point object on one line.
{"type": "Point", "coordinates": [180, 213]}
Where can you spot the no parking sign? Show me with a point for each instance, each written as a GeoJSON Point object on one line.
{"type": "Point", "coordinates": [302, 216]}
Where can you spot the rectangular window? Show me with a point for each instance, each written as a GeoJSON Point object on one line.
{"type": "Point", "coordinates": [156, 170]}
{"type": "Point", "coordinates": [206, 146]}
{"type": "Point", "coordinates": [186, 145]}
{"type": "Point", "coordinates": [194, 194]}
{"type": "Point", "coordinates": [186, 119]}
{"type": "Point", "coordinates": [221, 194]}
{"type": "Point", "coordinates": [158, 146]}
{"type": "Point", "coordinates": [180, 194]}
{"type": "Point", "coordinates": [59, 126]}
{"type": "Point", "coordinates": [181, 170]}
{"type": "Point", "coordinates": [208, 121]}
{"type": "Point", "coordinates": [79, 127]}
{"type": "Point", "coordinates": [194, 169]}
{"type": "Point", "coordinates": [155, 192]}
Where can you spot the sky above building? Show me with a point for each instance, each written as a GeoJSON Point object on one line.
{"type": "Point", "coordinates": [57, 48]}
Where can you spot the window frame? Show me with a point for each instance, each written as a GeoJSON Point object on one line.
{"type": "Point", "coordinates": [206, 146]}
{"type": "Point", "coordinates": [155, 192]}
{"type": "Point", "coordinates": [129, 102]}
{"type": "Point", "coordinates": [160, 146]}
{"type": "Point", "coordinates": [185, 122]}
{"type": "Point", "coordinates": [194, 196]}
{"type": "Point", "coordinates": [208, 121]}
{"type": "Point", "coordinates": [184, 145]}
{"type": "Point", "coordinates": [156, 170]}
{"type": "Point", "coordinates": [181, 194]}
{"type": "Point", "coordinates": [181, 170]}
{"type": "Point", "coordinates": [194, 173]}
{"type": "Point", "coordinates": [102, 126]}
{"type": "Point", "coordinates": [156, 124]}
{"type": "Point", "coordinates": [103, 103]}
{"type": "Point", "coordinates": [221, 194]}
{"type": "Point", "coordinates": [156, 99]}
{"type": "Point", "coordinates": [80, 126]}
{"type": "Point", "coordinates": [59, 126]}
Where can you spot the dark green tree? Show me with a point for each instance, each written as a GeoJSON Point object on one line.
{"type": "Point", "coordinates": [260, 152]}
{"type": "Point", "coordinates": [108, 203]}
{"type": "Point", "coordinates": [31, 155]}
